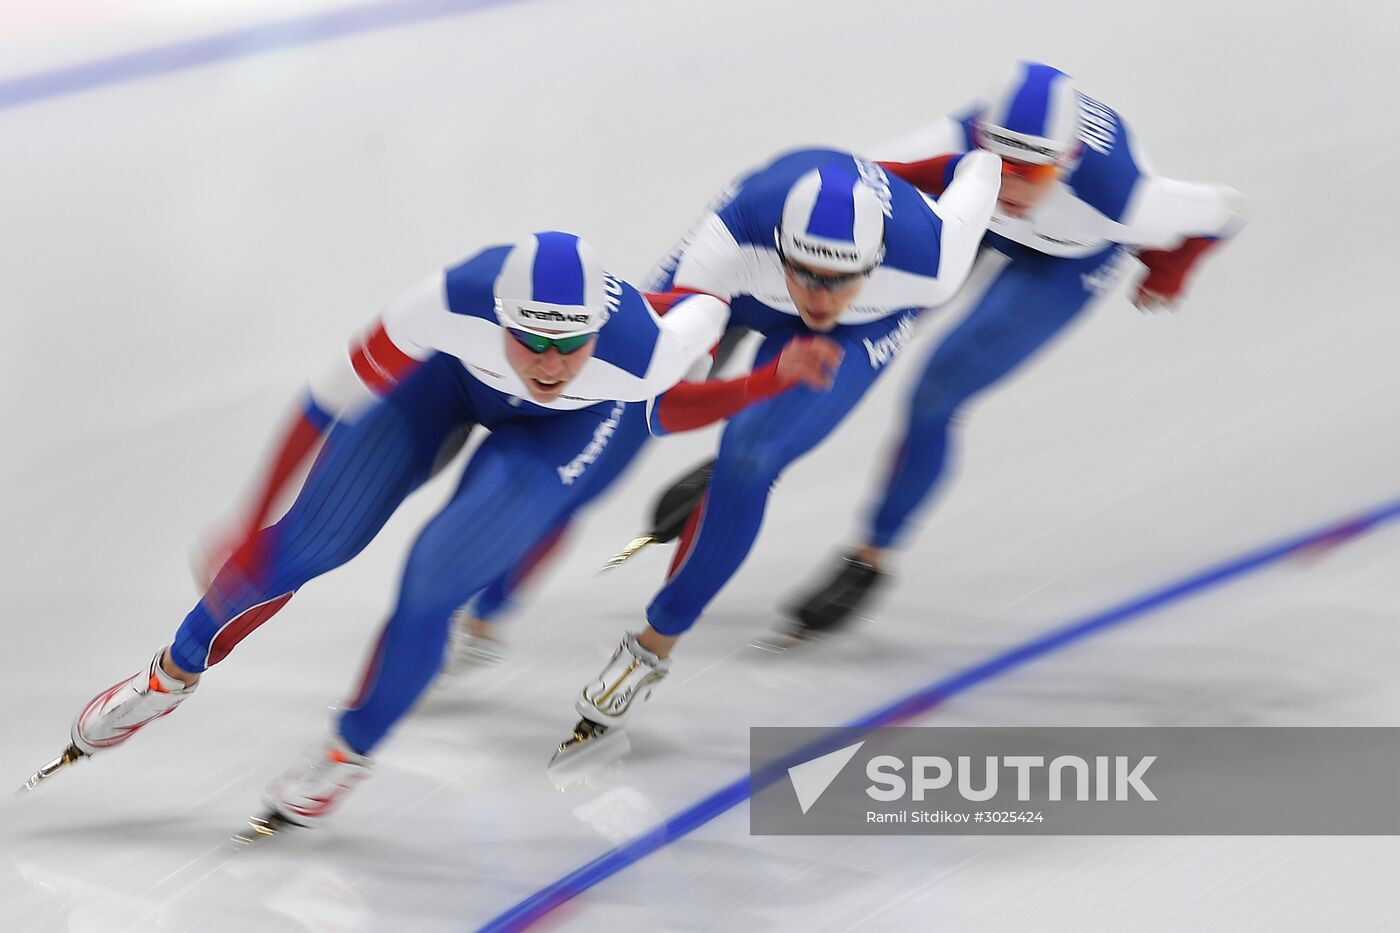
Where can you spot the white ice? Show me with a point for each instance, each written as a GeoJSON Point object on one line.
{"type": "Point", "coordinates": [179, 252]}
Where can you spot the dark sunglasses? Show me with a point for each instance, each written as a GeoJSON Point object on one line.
{"type": "Point", "coordinates": [816, 280]}
{"type": "Point", "coordinates": [538, 343]}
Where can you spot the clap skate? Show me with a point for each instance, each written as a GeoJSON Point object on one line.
{"type": "Point", "coordinates": [115, 715]}
{"type": "Point", "coordinates": [71, 755]}
{"type": "Point", "coordinates": [467, 648]}
{"type": "Point", "coordinates": [672, 509]}
{"type": "Point", "coordinates": [308, 791]}
{"type": "Point", "coordinates": [827, 609]}
{"type": "Point", "coordinates": [606, 702]}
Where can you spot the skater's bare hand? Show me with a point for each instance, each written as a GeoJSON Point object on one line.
{"type": "Point", "coordinates": [211, 551]}
{"type": "Point", "coordinates": [218, 547]}
{"type": "Point", "coordinates": [1148, 300]}
{"type": "Point", "coordinates": [812, 361]}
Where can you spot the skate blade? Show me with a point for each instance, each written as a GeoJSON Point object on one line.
{"type": "Point", "coordinates": [623, 556]}
{"type": "Point", "coordinates": [785, 641]}
{"type": "Point", "coordinates": [261, 828]}
{"type": "Point", "coordinates": [589, 747]}
{"type": "Point", "coordinates": [71, 755]}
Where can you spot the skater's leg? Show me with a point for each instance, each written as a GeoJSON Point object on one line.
{"type": "Point", "coordinates": [757, 445]}
{"type": "Point", "coordinates": [362, 473]}
{"type": "Point", "coordinates": [499, 596]}
{"type": "Point", "coordinates": [522, 480]}
{"type": "Point", "coordinates": [1031, 301]}
{"type": "Point", "coordinates": [473, 640]}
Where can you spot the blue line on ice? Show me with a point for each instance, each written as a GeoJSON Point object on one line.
{"type": "Point", "coordinates": [546, 899]}
{"type": "Point", "coordinates": [239, 43]}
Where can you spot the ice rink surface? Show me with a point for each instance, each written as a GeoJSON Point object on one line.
{"type": "Point", "coordinates": [181, 249]}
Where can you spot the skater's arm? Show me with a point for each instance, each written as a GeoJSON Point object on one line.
{"type": "Point", "coordinates": [931, 176]}
{"type": "Point", "coordinates": [690, 325]}
{"type": "Point", "coordinates": [962, 215]}
{"type": "Point", "coordinates": [971, 195]}
{"type": "Point", "coordinates": [1178, 222]}
{"type": "Point", "coordinates": [810, 361]}
{"type": "Point", "coordinates": [372, 365]}
{"type": "Point", "coordinates": [1164, 212]}
{"type": "Point", "coordinates": [965, 209]}
{"type": "Point", "coordinates": [387, 353]}
{"type": "Point", "coordinates": [691, 405]}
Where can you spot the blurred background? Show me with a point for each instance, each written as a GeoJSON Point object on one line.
{"type": "Point", "coordinates": [201, 201]}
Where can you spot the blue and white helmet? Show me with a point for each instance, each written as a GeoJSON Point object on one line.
{"type": "Point", "coordinates": [552, 283]}
{"type": "Point", "coordinates": [832, 220]}
{"type": "Point", "coordinates": [1033, 116]}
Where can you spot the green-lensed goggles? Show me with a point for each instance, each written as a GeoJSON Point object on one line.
{"type": "Point", "coordinates": [538, 343]}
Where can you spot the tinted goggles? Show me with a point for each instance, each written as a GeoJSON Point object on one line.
{"type": "Point", "coordinates": [538, 343]}
{"type": "Point", "coordinates": [1029, 171]}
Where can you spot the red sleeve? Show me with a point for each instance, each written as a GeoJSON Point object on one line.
{"type": "Point", "coordinates": [661, 302]}
{"type": "Point", "coordinates": [690, 405]}
{"type": "Point", "coordinates": [1167, 269]}
{"type": "Point", "coordinates": [930, 176]}
{"type": "Point", "coordinates": [298, 440]}
{"type": "Point", "coordinates": [378, 362]}
{"type": "Point", "coordinates": [301, 437]}
{"type": "Point", "coordinates": [380, 365]}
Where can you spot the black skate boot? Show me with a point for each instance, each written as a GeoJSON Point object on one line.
{"type": "Point", "coordinates": [833, 605]}
{"type": "Point", "coordinates": [669, 513]}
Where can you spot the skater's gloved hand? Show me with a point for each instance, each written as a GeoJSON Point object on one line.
{"type": "Point", "coordinates": [1166, 275]}
{"type": "Point", "coordinates": [812, 361]}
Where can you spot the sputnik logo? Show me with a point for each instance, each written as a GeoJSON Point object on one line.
{"type": "Point", "coordinates": [811, 778]}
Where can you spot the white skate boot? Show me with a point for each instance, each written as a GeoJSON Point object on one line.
{"type": "Point", "coordinates": [467, 648]}
{"type": "Point", "coordinates": [311, 789]}
{"type": "Point", "coordinates": [606, 701]}
{"type": "Point", "coordinates": [116, 714]}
